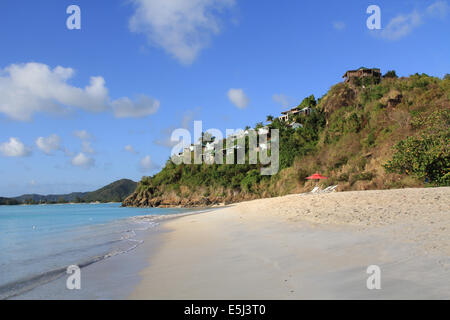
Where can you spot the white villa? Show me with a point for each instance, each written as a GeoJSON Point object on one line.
{"type": "Point", "coordinates": [286, 114]}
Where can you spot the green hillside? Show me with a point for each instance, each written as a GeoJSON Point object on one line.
{"type": "Point", "coordinates": [114, 192]}
{"type": "Point", "coordinates": [364, 134]}
{"type": "Point", "coordinates": [8, 201]}
{"type": "Point", "coordinates": [52, 198]}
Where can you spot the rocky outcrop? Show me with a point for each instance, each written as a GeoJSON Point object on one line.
{"type": "Point", "coordinates": [146, 199]}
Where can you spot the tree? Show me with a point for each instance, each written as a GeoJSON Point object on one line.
{"type": "Point", "coordinates": [206, 137]}
{"type": "Point", "coordinates": [61, 200]}
{"type": "Point", "coordinates": [308, 102]}
{"type": "Point", "coordinates": [391, 74]}
{"type": "Point", "coordinates": [447, 76]}
{"type": "Point", "coordinates": [270, 118]}
{"type": "Point", "coordinates": [29, 201]}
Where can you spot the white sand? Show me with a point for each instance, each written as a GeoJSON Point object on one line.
{"type": "Point", "coordinates": [307, 247]}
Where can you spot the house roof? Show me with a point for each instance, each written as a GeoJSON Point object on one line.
{"type": "Point", "coordinates": [291, 110]}
{"type": "Point", "coordinates": [362, 68]}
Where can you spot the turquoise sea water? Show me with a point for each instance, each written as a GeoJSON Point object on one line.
{"type": "Point", "coordinates": [37, 243]}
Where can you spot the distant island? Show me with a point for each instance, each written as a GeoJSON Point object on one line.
{"type": "Point", "coordinates": [371, 131]}
{"type": "Point", "coordinates": [114, 192]}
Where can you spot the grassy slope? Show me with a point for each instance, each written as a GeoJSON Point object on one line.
{"type": "Point", "coordinates": [351, 138]}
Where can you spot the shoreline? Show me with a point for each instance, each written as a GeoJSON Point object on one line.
{"type": "Point", "coordinates": [54, 204]}
{"type": "Point", "coordinates": [306, 247]}
{"type": "Point", "coordinates": [274, 248]}
{"type": "Point", "coordinates": [108, 277]}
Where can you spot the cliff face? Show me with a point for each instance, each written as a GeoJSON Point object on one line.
{"type": "Point", "coordinates": [167, 200]}
{"type": "Point", "coordinates": [392, 134]}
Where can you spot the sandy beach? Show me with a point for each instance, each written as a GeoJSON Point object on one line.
{"type": "Point", "coordinates": [306, 247]}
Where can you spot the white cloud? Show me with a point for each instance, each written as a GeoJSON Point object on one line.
{"type": "Point", "coordinates": [81, 160]}
{"type": "Point", "coordinates": [126, 108]}
{"type": "Point", "coordinates": [86, 147]}
{"type": "Point", "coordinates": [186, 122]}
{"type": "Point", "coordinates": [181, 27]}
{"type": "Point", "coordinates": [83, 135]}
{"type": "Point", "coordinates": [14, 148]}
{"type": "Point", "coordinates": [146, 164]}
{"type": "Point", "coordinates": [49, 144]}
{"type": "Point", "coordinates": [339, 25]}
{"type": "Point", "coordinates": [29, 88]}
{"type": "Point", "coordinates": [188, 117]}
{"type": "Point", "coordinates": [166, 140]}
{"type": "Point", "coordinates": [403, 24]}
{"type": "Point", "coordinates": [129, 148]}
{"type": "Point", "coordinates": [282, 99]}
{"type": "Point", "coordinates": [438, 9]}
{"type": "Point", "coordinates": [85, 138]}
{"type": "Point", "coordinates": [238, 98]}
{"type": "Point", "coordinates": [33, 87]}
{"type": "Point", "coordinates": [68, 153]}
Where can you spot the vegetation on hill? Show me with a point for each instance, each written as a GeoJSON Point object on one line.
{"type": "Point", "coordinates": [53, 198]}
{"type": "Point", "coordinates": [114, 192]}
{"type": "Point", "coordinates": [8, 202]}
{"type": "Point", "coordinates": [368, 134]}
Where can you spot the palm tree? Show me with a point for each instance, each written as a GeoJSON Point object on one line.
{"type": "Point", "coordinates": [206, 137]}
{"type": "Point", "coordinates": [269, 118]}
{"type": "Point", "coordinates": [259, 125]}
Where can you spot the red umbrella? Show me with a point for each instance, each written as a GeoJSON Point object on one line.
{"type": "Point", "coordinates": [316, 176]}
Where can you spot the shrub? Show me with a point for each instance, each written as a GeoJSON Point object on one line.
{"type": "Point", "coordinates": [370, 141]}
{"type": "Point", "coordinates": [373, 93]}
{"type": "Point", "coordinates": [251, 179]}
{"type": "Point", "coordinates": [426, 156]}
{"type": "Point", "coordinates": [340, 162]}
{"type": "Point", "coordinates": [361, 177]}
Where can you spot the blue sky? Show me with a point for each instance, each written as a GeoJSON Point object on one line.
{"type": "Point", "coordinates": [82, 108]}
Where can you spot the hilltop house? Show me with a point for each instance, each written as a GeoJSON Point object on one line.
{"type": "Point", "coordinates": [362, 73]}
{"type": "Point", "coordinates": [286, 114]}
{"type": "Point", "coordinates": [294, 111]}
